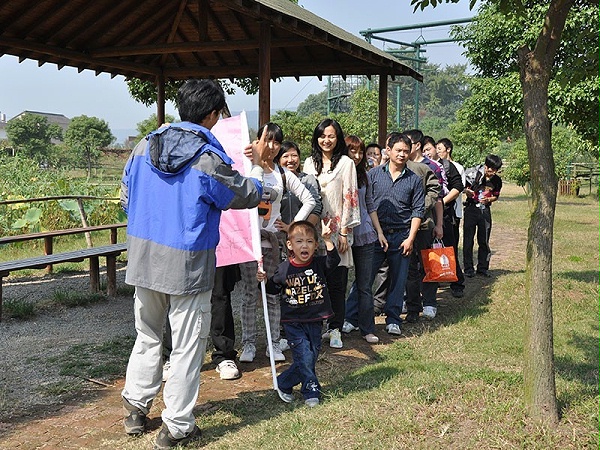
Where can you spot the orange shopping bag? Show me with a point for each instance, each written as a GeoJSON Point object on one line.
{"type": "Point", "coordinates": [439, 264]}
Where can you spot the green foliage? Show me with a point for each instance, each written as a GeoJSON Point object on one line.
{"type": "Point", "coordinates": [31, 135]}
{"type": "Point", "coordinates": [298, 128]}
{"type": "Point", "coordinates": [18, 309]}
{"type": "Point", "coordinates": [567, 145]}
{"type": "Point", "coordinates": [23, 179]}
{"type": "Point", "coordinates": [145, 91]}
{"type": "Point", "coordinates": [314, 103]}
{"type": "Point", "coordinates": [491, 44]}
{"type": "Point", "coordinates": [86, 136]}
{"type": "Point", "coordinates": [362, 120]}
{"type": "Point", "coordinates": [71, 299]}
{"type": "Point", "coordinates": [150, 124]}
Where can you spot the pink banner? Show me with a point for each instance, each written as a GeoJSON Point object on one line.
{"type": "Point", "coordinates": [240, 236]}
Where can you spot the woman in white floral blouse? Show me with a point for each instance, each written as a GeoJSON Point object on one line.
{"type": "Point", "coordinates": [336, 174]}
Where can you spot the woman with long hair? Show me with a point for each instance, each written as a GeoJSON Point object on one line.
{"type": "Point", "coordinates": [336, 174]}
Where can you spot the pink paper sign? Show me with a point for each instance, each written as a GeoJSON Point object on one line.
{"type": "Point", "coordinates": [240, 235]}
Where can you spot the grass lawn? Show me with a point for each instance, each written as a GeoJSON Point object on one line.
{"type": "Point", "coordinates": [455, 382]}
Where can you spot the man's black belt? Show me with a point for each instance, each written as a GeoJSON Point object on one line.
{"type": "Point", "coordinates": [393, 230]}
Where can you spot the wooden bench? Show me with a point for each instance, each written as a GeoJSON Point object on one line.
{"type": "Point", "coordinates": [49, 258]}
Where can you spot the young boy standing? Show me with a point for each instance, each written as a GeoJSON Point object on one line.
{"type": "Point", "coordinates": [305, 303]}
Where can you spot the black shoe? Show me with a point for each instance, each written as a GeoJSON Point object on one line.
{"type": "Point", "coordinates": [135, 421]}
{"type": "Point", "coordinates": [164, 440]}
{"type": "Point", "coordinates": [484, 273]}
{"type": "Point", "coordinates": [469, 273]}
{"type": "Point", "coordinates": [412, 317]}
{"type": "Point", "coordinates": [458, 293]}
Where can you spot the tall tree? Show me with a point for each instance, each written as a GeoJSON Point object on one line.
{"type": "Point", "coordinates": [147, 125]}
{"type": "Point", "coordinates": [537, 46]}
{"type": "Point", "coordinates": [86, 136]}
{"type": "Point", "coordinates": [32, 135]}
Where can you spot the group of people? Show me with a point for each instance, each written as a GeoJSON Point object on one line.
{"type": "Point", "coordinates": [349, 205]}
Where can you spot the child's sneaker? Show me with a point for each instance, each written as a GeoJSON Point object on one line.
{"type": "Point", "coordinates": [335, 339]}
{"type": "Point", "coordinates": [311, 402]}
{"type": "Point", "coordinates": [288, 398]}
{"type": "Point", "coordinates": [248, 353]}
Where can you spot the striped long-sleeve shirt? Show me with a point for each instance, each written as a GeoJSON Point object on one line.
{"type": "Point", "coordinates": [396, 201]}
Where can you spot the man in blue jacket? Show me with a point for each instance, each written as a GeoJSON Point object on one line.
{"type": "Point", "coordinates": [174, 187]}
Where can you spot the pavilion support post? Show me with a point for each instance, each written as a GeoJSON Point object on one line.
{"type": "Point", "coordinates": [264, 74]}
{"type": "Point", "coordinates": [383, 112]}
{"type": "Point", "coordinates": [160, 100]}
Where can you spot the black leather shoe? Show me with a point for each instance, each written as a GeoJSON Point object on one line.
{"type": "Point", "coordinates": [458, 293]}
{"type": "Point", "coordinates": [469, 273]}
{"type": "Point", "coordinates": [484, 273]}
{"type": "Point", "coordinates": [165, 441]}
{"type": "Point", "coordinates": [412, 317]}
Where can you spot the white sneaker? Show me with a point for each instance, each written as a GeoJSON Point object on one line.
{"type": "Point", "coordinates": [393, 328]}
{"type": "Point", "coordinates": [166, 370]}
{"type": "Point", "coordinates": [288, 398]}
{"type": "Point", "coordinates": [248, 353]}
{"type": "Point", "coordinates": [278, 355]}
{"type": "Point", "coordinates": [326, 335]}
{"type": "Point", "coordinates": [429, 312]}
{"type": "Point", "coordinates": [227, 370]}
{"type": "Point", "coordinates": [371, 338]}
{"type": "Point", "coordinates": [404, 308]}
{"type": "Point", "coordinates": [335, 339]}
{"type": "Point", "coordinates": [283, 345]}
{"type": "Point", "coordinates": [348, 327]}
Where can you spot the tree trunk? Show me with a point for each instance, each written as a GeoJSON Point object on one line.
{"type": "Point", "coordinates": [539, 381]}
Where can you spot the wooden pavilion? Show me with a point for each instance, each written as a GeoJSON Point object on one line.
{"type": "Point", "coordinates": [160, 40]}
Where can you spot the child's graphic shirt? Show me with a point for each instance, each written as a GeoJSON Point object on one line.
{"type": "Point", "coordinates": [303, 288]}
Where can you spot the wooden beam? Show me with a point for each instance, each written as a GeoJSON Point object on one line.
{"type": "Point", "coordinates": [383, 112]}
{"type": "Point", "coordinates": [189, 47]}
{"type": "Point", "coordinates": [160, 100]}
{"type": "Point", "coordinates": [71, 56]}
{"type": "Point", "coordinates": [264, 74]}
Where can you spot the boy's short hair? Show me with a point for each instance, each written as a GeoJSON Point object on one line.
{"type": "Point", "coordinates": [304, 225]}
{"type": "Point", "coordinates": [493, 162]}
{"type": "Point", "coordinates": [447, 143]}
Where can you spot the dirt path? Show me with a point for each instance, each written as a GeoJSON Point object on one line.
{"type": "Point", "coordinates": [95, 419]}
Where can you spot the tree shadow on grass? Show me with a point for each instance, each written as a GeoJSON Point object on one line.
{"type": "Point", "coordinates": [584, 371]}
{"type": "Point", "coordinates": [252, 407]}
{"type": "Point", "coordinates": [586, 276]}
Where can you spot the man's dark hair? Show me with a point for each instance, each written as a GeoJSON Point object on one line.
{"type": "Point", "coordinates": [274, 132]}
{"type": "Point", "coordinates": [428, 140]}
{"type": "Point", "coordinates": [415, 136]}
{"type": "Point", "coordinates": [196, 99]}
{"type": "Point", "coordinates": [448, 144]}
{"type": "Point", "coordinates": [395, 137]}
{"type": "Point", "coordinates": [493, 162]}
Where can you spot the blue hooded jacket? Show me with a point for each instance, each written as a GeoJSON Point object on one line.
{"type": "Point", "coordinates": [174, 187]}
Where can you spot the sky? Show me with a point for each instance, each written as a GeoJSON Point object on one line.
{"type": "Point", "coordinates": [25, 86]}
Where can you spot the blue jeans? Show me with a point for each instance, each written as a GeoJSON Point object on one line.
{"type": "Point", "coordinates": [304, 339]}
{"type": "Point", "coordinates": [398, 272]}
{"type": "Point", "coordinates": [359, 305]}
{"type": "Point", "coordinates": [419, 294]}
